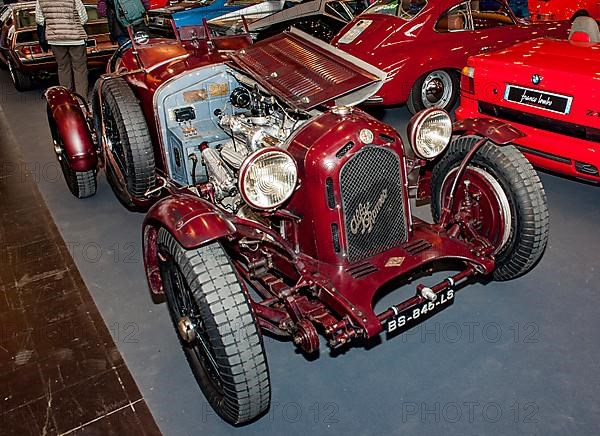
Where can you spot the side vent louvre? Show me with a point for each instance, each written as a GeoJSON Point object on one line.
{"type": "Point", "coordinates": [386, 138]}
{"type": "Point", "coordinates": [362, 270]}
{"type": "Point", "coordinates": [416, 247]}
{"type": "Point", "coordinates": [335, 236]}
{"type": "Point", "coordinates": [345, 149]}
{"type": "Point", "coordinates": [330, 194]}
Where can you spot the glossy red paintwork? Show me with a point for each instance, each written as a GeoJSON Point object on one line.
{"type": "Point", "coordinates": [281, 66]}
{"type": "Point", "coordinates": [407, 50]}
{"type": "Point", "coordinates": [566, 68]}
{"type": "Point", "coordinates": [155, 4]}
{"type": "Point", "coordinates": [70, 121]}
{"type": "Point", "coordinates": [344, 292]}
{"type": "Point", "coordinates": [547, 10]}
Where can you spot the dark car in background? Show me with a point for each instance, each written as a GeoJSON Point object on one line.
{"type": "Point", "coordinates": [322, 19]}
{"type": "Point", "coordinates": [21, 52]}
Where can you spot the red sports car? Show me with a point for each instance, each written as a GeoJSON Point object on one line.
{"type": "Point", "coordinates": [422, 45]}
{"type": "Point", "coordinates": [548, 10]}
{"type": "Point", "coordinates": [547, 89]}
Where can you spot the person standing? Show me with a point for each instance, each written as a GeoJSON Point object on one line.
{"type": "Point", "coordinates": [106, 8]}
{"type": "Point", "coordinates": [63, 21]}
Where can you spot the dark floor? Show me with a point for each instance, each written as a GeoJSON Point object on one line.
{"type": "Point", "coordinates": [60, 370]}
{"type": "Point", "coordinates": [520, 357]}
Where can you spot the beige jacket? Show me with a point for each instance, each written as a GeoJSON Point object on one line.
{"type": "Point", "coordinates": [64, 20]}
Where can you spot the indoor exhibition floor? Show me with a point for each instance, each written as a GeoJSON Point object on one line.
{"type": "Point", "coordinates": [518, 357]}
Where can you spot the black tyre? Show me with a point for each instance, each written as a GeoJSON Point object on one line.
{"type": "Point", "coordinates": [128, 141]}
{"type": "Point", "coordinates": [513, 212]}
{"type": "Point", "coordinates": [217, 329]}
{"type": "Point", "coordinates": [23, 82]}
{"type": "Point", "coordinates": [438, 88]}
{"type": "Point", "coordinates": [82, 184]}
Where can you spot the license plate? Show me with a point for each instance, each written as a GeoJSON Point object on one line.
{"type": "Point", "coordinates": [355, 32]}
{"type": "Point", "coordinates": [415, 314]}
{"type": "Point", "coordinates": [540, 99]}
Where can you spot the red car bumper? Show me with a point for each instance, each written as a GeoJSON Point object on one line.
{"type": "Point", "coordinates": [48, 64]}
{"type": "Point", "coordinates": [564, 152]}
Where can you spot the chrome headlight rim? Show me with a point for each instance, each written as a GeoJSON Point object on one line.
{"type": "Point", "coordinates": [415, 126]}
{"type": "Point", "coordinates": [250, 161]}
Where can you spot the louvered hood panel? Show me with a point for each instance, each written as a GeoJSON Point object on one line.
{"type": "Point", "coordinates": [306, 72]}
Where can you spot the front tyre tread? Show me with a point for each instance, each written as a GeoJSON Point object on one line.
{"type": "Point", "coordinates": [231, 327]}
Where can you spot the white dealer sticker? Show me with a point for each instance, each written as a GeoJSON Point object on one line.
{"type": "Point", "coordinates": [355, 31]}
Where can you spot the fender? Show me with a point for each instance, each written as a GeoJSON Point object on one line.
{"type": "Point", "coordinates": [499, 132]}
{"type": "Point", "coordinates": [191, 220]}
{"type": "Point", "coordinates": [68, 121]}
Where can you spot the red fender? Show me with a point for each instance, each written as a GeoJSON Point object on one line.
{"type": "Point", "coordinates": [191, 220]}
{"type": "Point", "coordinates": [499, 132]}
{"type": "Point", "coordinates": [67, 120]}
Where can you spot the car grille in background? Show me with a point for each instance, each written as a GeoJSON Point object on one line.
{"type": "Point", "coordinates": [373, 204]}
{"type": "Point", "coordinates": [540, 122]}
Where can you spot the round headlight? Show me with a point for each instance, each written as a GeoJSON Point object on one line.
{"type": "Point", "coordinates": [268, 178]}
{"type": "Point", "coordinates": [429, 132]}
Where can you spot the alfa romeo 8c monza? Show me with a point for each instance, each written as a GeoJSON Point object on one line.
{"type": "Point", "coordinates": [547, 89]}
{"type": "Point", "coordinates": [288, 211]}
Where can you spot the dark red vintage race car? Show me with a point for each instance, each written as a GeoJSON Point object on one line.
{"type": "Point", "coordinates": [28, 62]}
{"type": "Point", "coordinates": [546, 87]}
{"type": "Point", "coordinates": [423, 45]}
{"type": "Point", "coordinates": [289, 211]}
{"type": "Point", "coordinates": [288, 208]}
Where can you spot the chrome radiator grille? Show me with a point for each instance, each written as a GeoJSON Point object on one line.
{"type": "Point", "coordinates": [373, 203]}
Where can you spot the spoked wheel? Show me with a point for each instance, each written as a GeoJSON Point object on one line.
{"type": "Point", "coordinates": [128, 141]}
{"type": "Point", "coordinates": [217, 329]}
{"type": "Point", "coordinates": [508, 202]}
{"type": "Point", "coordinates": [436, 89]}
{"type": "Point", "coordinates": [82, 184]}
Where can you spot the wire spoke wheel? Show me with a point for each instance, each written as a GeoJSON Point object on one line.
{"type": "Point", "coordinates": [216, 327]}
{"type": "Point", "coordinates": [504, 197]}
{"type": "Point", "coordinates": [128, 141]}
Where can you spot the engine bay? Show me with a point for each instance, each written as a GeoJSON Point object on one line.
{"type": "Point", "coordinates": [212, 120]}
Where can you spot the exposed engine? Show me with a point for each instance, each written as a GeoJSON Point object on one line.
{"type": "Point", "coordinates": [265, 123]}
{"type": "Point", "coordinates": [216, 129]}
